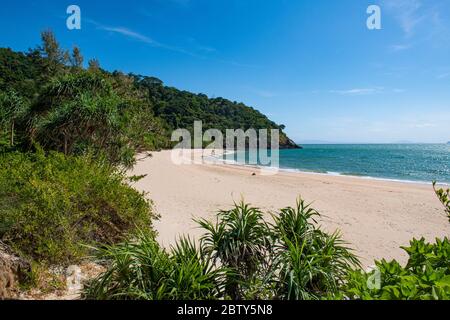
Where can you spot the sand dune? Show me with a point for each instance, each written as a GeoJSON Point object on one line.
{"type": "Point", "coordinates": [375, 217]}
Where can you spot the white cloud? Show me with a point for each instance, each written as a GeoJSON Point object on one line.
{"type": "Point", "coordinates": [201, 54]}
{"type": "Point", "coordinates": [358, 91]}
{"type": "Point", "coordinates": [366, 91]}
{"type": "Point", "coordinates": [131, 34]}
{"type": "Point", "coordinates": [407, 13]}
{"type": "Point", "coordinates": [418, 17]}
{"type": "Point", "coordinates": [142, 38]}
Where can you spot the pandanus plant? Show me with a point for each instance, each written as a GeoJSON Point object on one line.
{"type": "Point", "coordinates": [310, 263]}
{"type": "Point", "coordinates": [238, 240]}
{"type": "Point", "coordinates": [140, 269]}
{"type": "Point", "coordinates": [240, 257]}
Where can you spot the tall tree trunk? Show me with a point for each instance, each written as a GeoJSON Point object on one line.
{"type": "Point", "coordinates": [12, 134]}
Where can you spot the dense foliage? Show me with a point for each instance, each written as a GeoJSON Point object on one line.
{"type": "Point", "coordinates": [239, 240]}
{"type": "Point", "coordinates": [240, 257]}
{"type": "Point", "coordinates": [82, 111]}
{"type": "Point", "coordinates": [310, 263]}
{"type": "Point", "coordinates": [13, 109]}
{"type": "Point", "coordinates": [46, 96]}
{"type": "Point", "coordinates": [425, 277]}
{"type": "Point", "coordinates": [180, 109]}
{"type": "Point", "coordinates": [52, 205]}
{"type": "Point", "coordinates": [20, 72]}
{"type": "Point", "coordinates": [140, 269]}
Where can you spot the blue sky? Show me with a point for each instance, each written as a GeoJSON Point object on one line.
{"type": "Point", "coordinates": [311, 65]}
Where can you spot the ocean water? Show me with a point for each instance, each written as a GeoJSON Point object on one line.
{"type": "Point", "coordinates": [407, 162]}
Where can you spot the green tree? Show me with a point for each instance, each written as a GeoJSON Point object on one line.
{"type": "Point", "coordinates": [12, 107]}
{"type": "Point", "coordinates": [76, 59]}
{"type": "Point", "coordinates": [93, 65]}
{"type": "Point", "coordinates": [76, 111]}
{"type": "Point", "coordinates": [86, 111]}
{"type": "Point", "coordinates": [55, 56]}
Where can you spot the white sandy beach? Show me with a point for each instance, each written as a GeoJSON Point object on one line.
{"type": "Point", "coordinates": [375, 217]}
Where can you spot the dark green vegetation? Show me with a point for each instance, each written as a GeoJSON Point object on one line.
{"type": "Point", "coordinates": [47, 97]}
{"type": "Point", "coordinates": [425, 277]}
{"type": "Point", "coordinates": [240, 257]}
{"type": "Point", "coordinates": [52, 205]}
{"type": "Point", "coordinates": [179, 109]}
{"type": "Point", "coordinates": [66, 136]}
{"type": "Point", "coordinates": [140, 269]}
{"type": "Point", "coordinates": [71, 110]}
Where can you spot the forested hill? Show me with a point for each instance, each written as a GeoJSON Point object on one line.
{"type": "Point", "coordinates": [46, 91]}
{"type": "Point", "coordinates": [179, 109]}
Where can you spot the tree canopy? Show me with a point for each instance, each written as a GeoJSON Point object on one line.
{"type": "Point", "coordinates": [67, 108]}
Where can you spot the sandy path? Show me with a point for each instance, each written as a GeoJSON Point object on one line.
{"type": "Point", "coordinates": [376, 217]}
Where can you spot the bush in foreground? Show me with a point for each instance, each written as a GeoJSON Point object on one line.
{"type": "Point", "coordinates": [239, 240]}
{"type": "Point", "coordinates": [425, 277]}
{"type": "Point", "coordinates": [140, 269]}
{"type": "Point", "coordinates": [310, 263]}
{"type": "Point", "coordinates": [240, 257]}
{"type": "Point", "coordinates": [52, 205]}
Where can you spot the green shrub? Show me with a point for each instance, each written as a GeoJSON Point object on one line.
{"type": "Point", "coordinates": [12, 108]}
{"type": "Point", "coordinates": [425, 277]}
{"type": "Point", "coordinates": [51, 205]}
{"type": "Point", "coordinates": [309, 263]}
{"type": "Point", "coordinates": [241, 257]}
{"type": "Point", "coordinates": [238, 240]}
{"type": "Point", "coordinates": [140, 269]}
{"type": "Point", "coordinates": [444, 197]}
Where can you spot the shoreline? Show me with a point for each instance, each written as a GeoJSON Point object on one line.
{"type": "Point", "coordinates": [339, 174]}
{"type": "Point", "coordinates": [328, 173]}
{"type": "Point", "coordinates": [375, 217]}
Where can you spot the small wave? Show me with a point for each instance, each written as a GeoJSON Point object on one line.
{"type": "Point", "coordinates": [358, 175]}
{"type": "Point", "coordinates": [354, 174]}
{"type": "Point", "coordinates": [329, 173]}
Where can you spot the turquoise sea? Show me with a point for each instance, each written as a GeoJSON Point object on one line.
{"type": "Point", "coordinates": [407, 162]}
